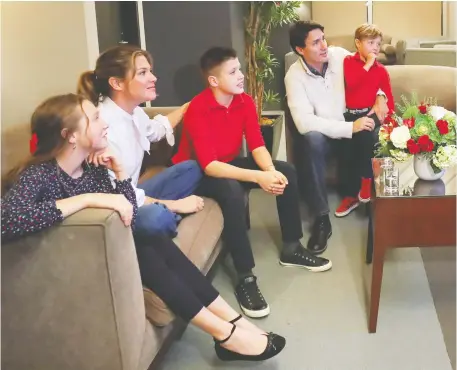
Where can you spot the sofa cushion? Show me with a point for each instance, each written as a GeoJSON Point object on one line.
{"type": "Point", "coordinates": [388, 49]}
{"type": "Point", "coordinates": [15, 145]}
{"type": "Point", "coordinates": [427, 81]}
{"type": "Point", "coordinates": [196, 233]}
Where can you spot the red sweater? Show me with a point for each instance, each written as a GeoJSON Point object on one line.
{"type": "Point", "coordinates": [213, 132]}
{"type": "Point", "coordinates": [362, 86]}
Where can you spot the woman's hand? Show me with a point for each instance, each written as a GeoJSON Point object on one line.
{"type": "Point", "coordinates": [125, 209]}
{"type": "Point", "coordinates": [190, 204]}
{"type": "Point", "coordinates": [108, 159]}
{"type": "Point", "coordinates": [116, 202]}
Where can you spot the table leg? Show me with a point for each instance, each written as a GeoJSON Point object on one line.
{"type": "Point", "coordinates": [376, 282]}
{"type": "Point", "coordinates": [369, 252]}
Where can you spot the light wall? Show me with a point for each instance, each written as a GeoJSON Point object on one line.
{"type": "Point", "coordinates": [408, 19]}
{"type": "Point", "coordinates": [45, 47]}
{"type": "Point", "coordinates": [339, 17]}
{"type": "Point", "coordinates": [451, 12]}
{"type": "Point", "coordinates": [400, 19]}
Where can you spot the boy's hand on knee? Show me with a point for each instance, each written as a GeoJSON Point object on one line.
{"type": "Point", "coordinates": [282, 179]}
{"type": "Point", "coordinates": [270, 182]}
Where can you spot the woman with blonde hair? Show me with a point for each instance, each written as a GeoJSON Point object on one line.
{"type": "Point", "coordinates": [121, 81]}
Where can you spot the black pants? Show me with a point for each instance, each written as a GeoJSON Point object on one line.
{"type": "Point", "coordinates": [356, 155]}
{"type": "Point", "coordinates": [230, 195]}
{"type": "Point", "coordinates": [173, 277]}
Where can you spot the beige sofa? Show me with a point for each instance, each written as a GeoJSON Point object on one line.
{"type": "Point", "coordinates": [72, 297]}
{"type": "Point", "coordinates": [438, 55]}
{"type": "Point", "coordinates": [392, 50]}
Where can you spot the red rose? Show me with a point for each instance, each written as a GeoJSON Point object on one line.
{"type": "Point", "coordinates": [422, 108]}
{"type": "Point", "coordinates": [412, 146]}
{"type": "Point", "coordinates": [425, 144]}
{"type": "Point", "coordinates": [443, 126]}
{"type": "Point", "coordinates": [409, 122]}
{"type": "Point", "coordinates": [391, 121]}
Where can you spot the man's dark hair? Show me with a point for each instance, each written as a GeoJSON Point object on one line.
{"type": "Point", "coordinates": [299, 31]}
{"type": "Point", "coordinates": [214, 57]}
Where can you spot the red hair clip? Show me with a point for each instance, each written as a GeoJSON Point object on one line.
{"type": "Point", "coordinates": [33, 144]}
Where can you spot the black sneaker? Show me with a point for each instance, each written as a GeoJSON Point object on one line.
{"type": "Point", "coordinates": [322, 231]}
{"type": "Point", "coordinates": [303, 258]}
{"type": "Point", "coordinates": [250, 299]}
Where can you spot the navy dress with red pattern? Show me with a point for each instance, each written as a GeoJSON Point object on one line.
{"type": "Point", "coordinates": [30, 205]}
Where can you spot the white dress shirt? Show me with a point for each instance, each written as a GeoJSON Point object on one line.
{"type": "Point", "coordinates": [130, 135]}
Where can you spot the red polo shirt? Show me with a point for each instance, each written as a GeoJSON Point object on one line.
{"type": "Point", "coordinates": [213, 132]}
{"type": "Point", "coordinates": [362, 86]}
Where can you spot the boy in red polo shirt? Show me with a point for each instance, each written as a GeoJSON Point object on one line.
{"type": "Point", "coordinates": [214, 126]}
{"type": "Point", "coordinates": [363, 77]}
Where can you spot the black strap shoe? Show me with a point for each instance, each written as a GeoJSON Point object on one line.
{"type": "Point", "coordinates": [250, 298]}
{"type": "Point", "coordinates": [275, 344]}
{"type": "Point", "coordinates": [322, 231]}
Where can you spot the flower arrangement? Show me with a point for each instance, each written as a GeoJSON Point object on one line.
{"type": "Point", "coordinates": [420, 129]}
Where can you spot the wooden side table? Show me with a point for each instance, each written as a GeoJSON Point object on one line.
{"type": "Point", "coordinates": [421, 214]}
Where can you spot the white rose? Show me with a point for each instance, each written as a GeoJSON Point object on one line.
{"type": "Point", "coordinates": [437, 112]}
{"type": "Point", "coordinates": [399, 136]}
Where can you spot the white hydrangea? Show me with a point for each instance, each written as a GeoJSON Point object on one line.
{"type": "Point", "coordinates": [399, 136]}
{"type": "Point", "coordinates": [445, 156]}
{"type": "Point", "coordinates": [437, 112]}
{"type": "Point", "coordinates": [399, 155]}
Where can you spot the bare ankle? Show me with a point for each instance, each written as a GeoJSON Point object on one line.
{"type": "Point", "coordinates": [223, 332]}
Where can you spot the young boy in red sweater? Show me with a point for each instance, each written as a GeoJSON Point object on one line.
{"type": "Point", "coordinates": [364, 76]}
{"type": "Point", "coordinates": [214, 126]}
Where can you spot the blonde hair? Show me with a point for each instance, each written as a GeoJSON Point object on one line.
{"type": "Point", "coordinates": [367, 31]}
{"type": "Point", "coordinates": [118, 62]}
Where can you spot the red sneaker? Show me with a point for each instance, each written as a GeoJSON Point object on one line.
{"type": "Point", "coordinates": [365, 191]}
{"type": "Point", "coordinates": [346, 206]}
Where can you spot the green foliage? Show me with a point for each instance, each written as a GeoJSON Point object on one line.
{"type": "Point", "coordinates": [425, 124]}
{"type": "Point", "coordinates": [261, 18]}
{"type": "Point", "coordinates": [270, 97]}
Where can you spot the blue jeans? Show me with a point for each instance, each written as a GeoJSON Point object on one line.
{"type": "Point", "coordinates": [174, 183]}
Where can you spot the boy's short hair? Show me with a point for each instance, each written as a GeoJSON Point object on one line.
{"type": "Point", "coordinates": [367, 31]}
{"type": "Point", "coordinates": [299, 31]}
{"type": "Point", "coordinates": [214, 57]}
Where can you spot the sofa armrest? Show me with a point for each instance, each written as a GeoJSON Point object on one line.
{"type": "Point", "coordinates": [431, 56]}
{"type": "Point", "coordinates": [400, 50]}
{"type": "Point", "coordinates": [72, 297]}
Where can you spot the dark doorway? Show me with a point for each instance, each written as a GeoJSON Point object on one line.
{"type": "Point", "coordinates": [117, 23]}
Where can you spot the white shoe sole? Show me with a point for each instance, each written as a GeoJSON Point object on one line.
{"type": "Point", "coordinates": [349, 210]}
{"type": "Point", "coordinates": [255, 314]}
{"type": "Point", "coordinates": [363, 200]}
{"type": "Point", "coordinates": [322, 268]}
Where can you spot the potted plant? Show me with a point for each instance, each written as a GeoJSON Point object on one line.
{"type": "Point", "coordinates": [423, 130]}
{"type": "Point", "coordinates": [261, 18]}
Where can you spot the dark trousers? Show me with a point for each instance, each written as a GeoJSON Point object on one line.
{"type": "Point", "coordinates": [230, 195]}
{"type": "Point", "coordinates": [356, 155]}
{"type": "Point", "coordinates": [173, 277]}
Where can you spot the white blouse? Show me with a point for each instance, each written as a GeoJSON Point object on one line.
{"type": "Point", "coordinates": [130, 135]}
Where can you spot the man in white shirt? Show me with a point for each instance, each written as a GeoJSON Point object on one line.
{"type": "Point", "coordinates": [316, 98]}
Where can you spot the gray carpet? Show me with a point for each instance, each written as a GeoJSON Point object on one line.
{"type": "Point", "coordinates": [324, 316]}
